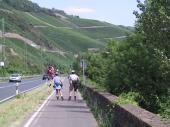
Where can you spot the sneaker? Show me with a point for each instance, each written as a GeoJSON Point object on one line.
{"type": "Point", "coordinates": [69, 98]}
{"type": "Point", "coordinates": [75, 98]}
{"type": "Point", "coordinates": [57, 98]}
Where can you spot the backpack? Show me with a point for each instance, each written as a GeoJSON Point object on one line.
{"type": "Point", "coordinates": [74, 81]}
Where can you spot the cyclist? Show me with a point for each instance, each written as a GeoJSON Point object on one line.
{"type": "Point", "coordinates": [51, 74]}
{"type": "Point", "coordinates": [74, 81]}
{"type": "Point", "coordinates": [57, 86]}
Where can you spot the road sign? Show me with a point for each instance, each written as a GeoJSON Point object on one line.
{"type": "Point", "coordinates": [2, 64]}
{"type": "Point", "coordinates": [83, 64]}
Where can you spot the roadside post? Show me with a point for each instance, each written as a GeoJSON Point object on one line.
{"type": "Point", "coordinates": [2, 64]}
{"type": "Point", "coordinates": [17, 91]}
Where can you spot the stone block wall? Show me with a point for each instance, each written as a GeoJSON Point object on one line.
{"type": "Point", "coordinates": [120, 115]}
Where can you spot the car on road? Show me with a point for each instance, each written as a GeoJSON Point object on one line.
{"type": "Point", "coordinates": [45, 76]}
{"type": "Point", "coordinates": [15, 78]}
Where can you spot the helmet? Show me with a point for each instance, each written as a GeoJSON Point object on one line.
{"type": "Point", "coordinates": [73, 71]}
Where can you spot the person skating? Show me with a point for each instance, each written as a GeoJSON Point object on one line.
{"type": "Point", "coordinates": [57, 86]}
{"type": "Point", "coordinates": [74, 81]}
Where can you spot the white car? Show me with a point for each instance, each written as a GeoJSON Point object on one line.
{"type": "Point", "coordinates": [15, 78]}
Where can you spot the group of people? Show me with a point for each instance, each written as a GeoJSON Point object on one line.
{"type": "Point", "coordinates": [58, 83]}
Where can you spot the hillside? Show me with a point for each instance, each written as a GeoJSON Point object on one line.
{"type": "Point", "coordinates": [52, 30]}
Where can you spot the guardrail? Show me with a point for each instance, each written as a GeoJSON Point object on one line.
{"type": "Point", "coordinates": [4, 78]}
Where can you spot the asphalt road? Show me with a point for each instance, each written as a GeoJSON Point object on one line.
{"type": "Point", "coordinates": [8, 90]}
{"type": "Point", "coordinates": [58, 113]}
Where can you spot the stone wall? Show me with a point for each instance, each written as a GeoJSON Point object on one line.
{"type": "Point", "coordinates": [119, 115]}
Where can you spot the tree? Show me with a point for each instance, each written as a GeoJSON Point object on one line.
{"type": "Point", "coordinates": [154, 23]}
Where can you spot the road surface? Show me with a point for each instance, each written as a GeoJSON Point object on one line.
{"type": "Point", "coordinates": [8, 90]}
{"type": "Point", "coordinates": [58, 113]}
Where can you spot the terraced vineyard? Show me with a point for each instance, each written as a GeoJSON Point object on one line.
{"type": "Point", "coordinates": [51, 30]}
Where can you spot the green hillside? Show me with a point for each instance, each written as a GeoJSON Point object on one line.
{"type": "Point", "coordinates": [53, 30]}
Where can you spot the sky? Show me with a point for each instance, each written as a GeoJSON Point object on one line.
{"type": "Point", "coordinates": [118, 12]}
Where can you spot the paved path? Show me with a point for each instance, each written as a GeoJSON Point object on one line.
{"type": "Point", "coordinates": [57, 113]}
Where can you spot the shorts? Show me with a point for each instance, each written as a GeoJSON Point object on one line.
{"type": "Point", "coordinates": [58, 87]}
{"type": "Point", "coordinates": [75, 86]}
{"type": "Point", "coordinates": [71, 87]}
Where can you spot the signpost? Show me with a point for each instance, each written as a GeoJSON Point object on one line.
{"type": "Point", "coordinates": [83, 65]}
{"type": "Point", "coordinates": [2, 64]}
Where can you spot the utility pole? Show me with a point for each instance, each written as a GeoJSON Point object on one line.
{"type": "Point", "coordinates": [1, 43]}
{"type": "Point", "coordinates": [41, 59]}
{"type": "Point", "coordinates": [3, 38]}
{"type": "Point", "coordinates": [83, 66]}
{"type": "Point", "coordinates": [83, 73]}
{"type": "Point", "coordinates": [2, 62]}
{"type": "Point", "coordinates": [26, 57]}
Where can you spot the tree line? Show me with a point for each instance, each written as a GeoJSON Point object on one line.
{"type": "Point", "coordinates": [141, 63]}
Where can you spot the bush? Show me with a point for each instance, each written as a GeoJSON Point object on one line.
{"type": "Point", "coordinates": [136, 67]}
{"type": "Point", "coordinates": [128, 98]}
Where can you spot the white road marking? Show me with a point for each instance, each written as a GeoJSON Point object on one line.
{"type": "Point", "coordinates": [7, 98]}
{"type": "Point", "coordinates": [20, 92]}
{"type": "Point", "coordinates": [31, 88]}
{"type": "Point", "coordinates": [15, 84]}
{"type": "Point", "coordinates": [36, 113]}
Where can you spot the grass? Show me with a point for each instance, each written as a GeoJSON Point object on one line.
{"type": "Point", "coordinates": [127, 98]}
{"type": "Point", "coordinates": [34, 63]}
{"type": "Point", "coordinates": [51, 37]}
{"type": "Point", "coordinates": [15, 110]}
{"type": "Point", "coordinates": [86, 22]}
{"type": "Point", "coordinates": [89, 82]}
{"type": "Point", "coordinates": [49, 19]}
{"type": "Point", "coordinates": [70, 40]}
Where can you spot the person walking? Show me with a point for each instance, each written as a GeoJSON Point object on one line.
{"type": "Point", "coordinates": [58, 86]}
{"type": "Point", "coordinates": [74, 81]}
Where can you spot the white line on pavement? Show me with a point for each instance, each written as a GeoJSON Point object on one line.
{"type": "Point", "coordinates": [15, 84]}
{"type": "Point", "coordinates": [32, 88]}
{"type": "Point", "coordinates": [20, 92]}
{"type": "Point", "coordinates": [7, 98]}
{"type": "Point", "coordinates": [36, 113]}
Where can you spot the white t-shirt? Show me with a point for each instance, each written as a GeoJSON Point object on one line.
{"type": "Point", "coordinates": [73, 77]}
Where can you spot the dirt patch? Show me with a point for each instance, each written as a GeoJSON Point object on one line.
{"type": "Point", "coordinates": [13, 52]}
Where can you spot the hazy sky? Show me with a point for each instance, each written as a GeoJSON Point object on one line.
{"type": "Point", "coordinates": [118, 12]}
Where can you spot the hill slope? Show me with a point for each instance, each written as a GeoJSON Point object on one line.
{"type": "Point", "coordinates": [51, 30]}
